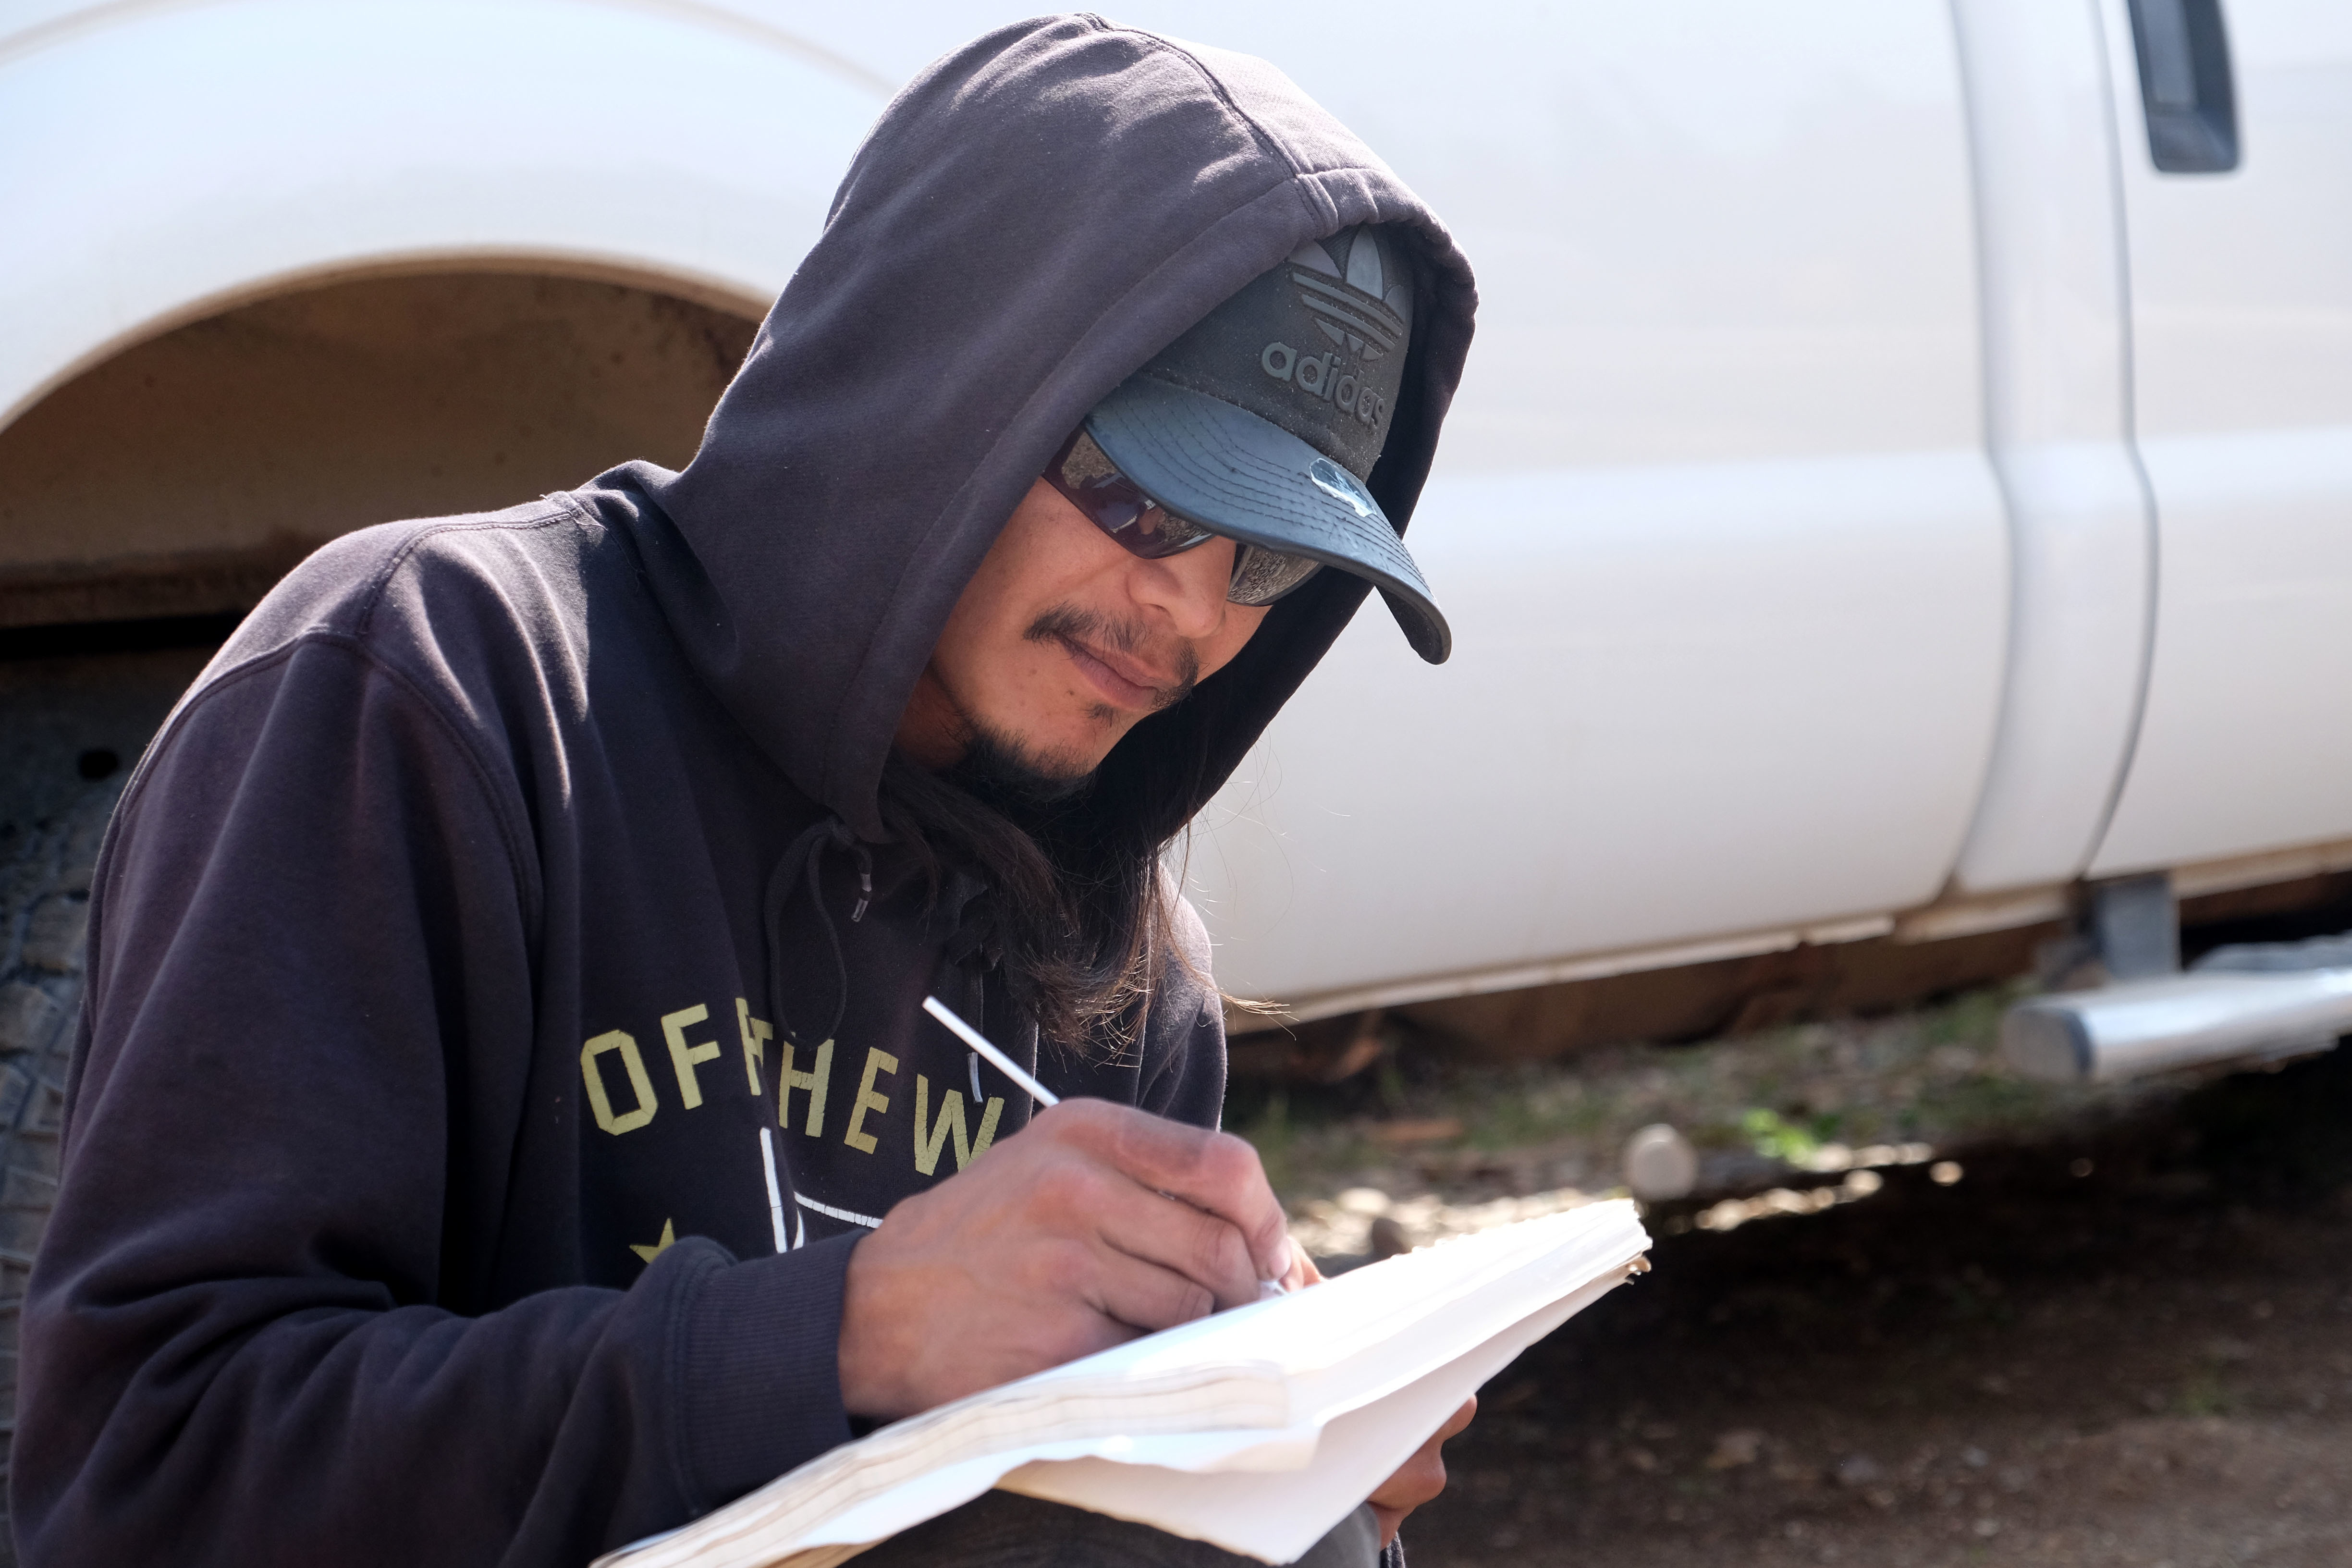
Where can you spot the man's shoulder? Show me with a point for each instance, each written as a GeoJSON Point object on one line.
{"type": "Point", "coordinates": [486, 618]}
{"type": "Point", "coordinates": [385, 585]}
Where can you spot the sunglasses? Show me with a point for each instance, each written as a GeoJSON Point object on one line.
{"type": "Point", "coordinates": [1090, 481]}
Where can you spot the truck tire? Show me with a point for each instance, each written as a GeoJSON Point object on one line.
{"type": "Point", "coordinates": [45, 872]}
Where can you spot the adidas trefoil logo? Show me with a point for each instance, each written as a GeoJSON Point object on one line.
{"type": "Point", "coordinates": [1359, 311]}
{"type": "Point", "coordinates": [1369, 321]}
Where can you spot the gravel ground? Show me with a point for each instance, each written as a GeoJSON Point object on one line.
{"type": "Point", "coordinates": [1792, 1121]}
{"type": "Point", "coordinates": [2122, 1336]}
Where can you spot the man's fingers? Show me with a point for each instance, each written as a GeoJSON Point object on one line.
{"type": "Point", "coordinates": [1211, 1171]}
{"type": "Point", "coordinates": [1302, 1271]}
{"type": "Point", "coordinates": [1077, 1197]}
{"type": "Point", "coordinates": [1420, 1477]}
{"type": "Point", "coordinates": [1144, 1295]}
{"type": "Point", "coordinates": [1174, 1236]}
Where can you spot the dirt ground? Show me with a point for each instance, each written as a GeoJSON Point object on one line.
{"type": "Point", "coordinates": [2130, 1345]}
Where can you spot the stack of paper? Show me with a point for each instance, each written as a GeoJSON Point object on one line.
{"type": "Point", "coordinates": [1256, 1429]}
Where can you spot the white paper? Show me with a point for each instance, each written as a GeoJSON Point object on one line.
{"type": "Point", "coordinates": [1257, 1429]}
{"type": "Point", "coordinates": [1274, 1517]}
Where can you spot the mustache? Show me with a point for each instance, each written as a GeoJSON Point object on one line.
{"type": "Point", "coordinates": [1069, 623]}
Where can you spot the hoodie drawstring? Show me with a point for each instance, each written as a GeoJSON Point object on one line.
{"type": "Point", "coordinates": [805, 859]}
{"type": "Point", "coordinates": [961, 921]}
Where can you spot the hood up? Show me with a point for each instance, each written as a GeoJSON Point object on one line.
{"type": "Point", "coordinates": [1035, 217]}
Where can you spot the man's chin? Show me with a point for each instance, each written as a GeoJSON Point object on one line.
{"type": "Point", "coordinates": [1012, 774]}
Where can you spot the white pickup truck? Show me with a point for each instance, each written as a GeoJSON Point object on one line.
{"type": "Point", "coordinates": [1903, 478]}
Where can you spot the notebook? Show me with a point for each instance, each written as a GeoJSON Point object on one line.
{"type": "Point", "coordinates": [1256, 1429]}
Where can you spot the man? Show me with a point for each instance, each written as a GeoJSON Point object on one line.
{"type": "Point", "coordinates": [504, 1125]}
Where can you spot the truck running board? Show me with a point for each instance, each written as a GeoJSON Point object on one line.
{"type": "Point", "coordinates": [2178, 1021]}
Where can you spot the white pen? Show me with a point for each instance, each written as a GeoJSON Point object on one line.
{"type": "Point", "coordinates": [1040, 1094]}
{"type": "Point", "coordinates": [987, 1047]}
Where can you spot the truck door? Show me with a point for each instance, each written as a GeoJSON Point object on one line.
{"type": "Point", "coordinates": [2234, 119]}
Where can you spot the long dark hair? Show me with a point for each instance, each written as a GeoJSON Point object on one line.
{"type": "Point", "coordinates": [1082, 911]}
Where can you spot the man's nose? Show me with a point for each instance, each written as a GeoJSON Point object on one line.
{"type": "Point", "coordinates": [1190, 589]}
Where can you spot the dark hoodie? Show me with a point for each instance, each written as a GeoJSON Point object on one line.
{"type": "Point", "coordinates": [509, 899]}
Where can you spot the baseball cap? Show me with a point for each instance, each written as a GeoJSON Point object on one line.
{"type": "Point", "coordinates": [1261, 422]}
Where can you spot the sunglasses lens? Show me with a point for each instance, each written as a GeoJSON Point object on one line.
{"type": "Point", "coordinates": [1261, 576]}
{"type": "Point", "coordinates": [1091, 482]}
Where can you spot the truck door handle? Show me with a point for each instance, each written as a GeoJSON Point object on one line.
{"type": "Point", "coordinates": [2184, 85]}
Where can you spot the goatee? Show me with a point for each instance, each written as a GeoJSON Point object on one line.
{"type": "Point", "coordinates": [998, 772]}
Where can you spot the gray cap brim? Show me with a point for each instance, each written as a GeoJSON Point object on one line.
{"type": "Point", "coordinates": [1244, 476]}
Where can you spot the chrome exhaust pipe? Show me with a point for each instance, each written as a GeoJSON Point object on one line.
{"type": "Point", "coordinates": [2180, 1020]}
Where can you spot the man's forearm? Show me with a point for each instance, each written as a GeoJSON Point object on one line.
{"type": "Point", "coordinates": [244, 1421]}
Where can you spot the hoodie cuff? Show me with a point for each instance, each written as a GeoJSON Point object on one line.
{"type": "Point", "coordinates": [763, 1370]}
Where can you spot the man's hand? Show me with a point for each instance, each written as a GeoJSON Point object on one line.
{"type": "Point", "coordinates": [1420, 1479]}
{"type": "Point", "coordinates": [1096, 1224]}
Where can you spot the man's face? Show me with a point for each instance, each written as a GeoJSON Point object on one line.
{"type": "Point", "coordinates": [1063, 640]}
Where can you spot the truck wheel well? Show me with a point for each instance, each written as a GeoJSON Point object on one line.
{"type": "Point", "coordinates": [184, 475]}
